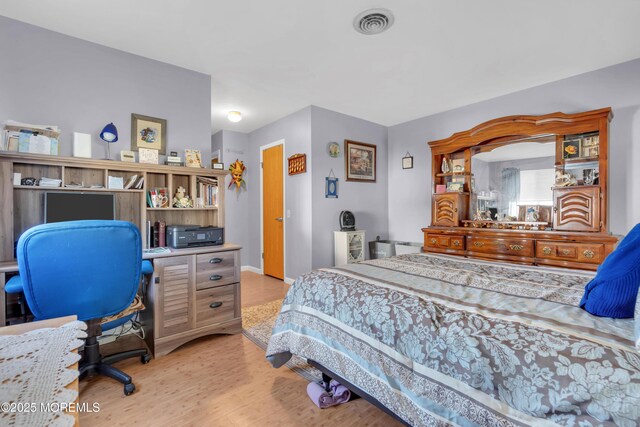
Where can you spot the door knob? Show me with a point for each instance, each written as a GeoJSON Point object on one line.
{"type": "Point", "coordinates": [279, 219]}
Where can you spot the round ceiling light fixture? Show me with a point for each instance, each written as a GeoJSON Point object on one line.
{"type": "Point", "coordinates": [373, 21]}
{"type": "Point", "coordinates": [234, 116]}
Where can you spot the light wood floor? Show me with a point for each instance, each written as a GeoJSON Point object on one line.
{"type": "Point", "coordinates": [219, 381]}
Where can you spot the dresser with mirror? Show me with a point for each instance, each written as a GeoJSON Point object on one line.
{"type": "Point", "coordinates": [524, 189]}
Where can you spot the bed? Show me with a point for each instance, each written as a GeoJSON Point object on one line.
{"type": "Point", "coordinates": [440, 340]}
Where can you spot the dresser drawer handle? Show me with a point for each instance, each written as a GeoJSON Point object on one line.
{"type": "Point", "coordinates": [215, 304]}
{"type": "Point", "coordinates": [215, 260]}
{"type": "Point", "coordinates": [546, 250]}
{"type": "Point", "coordinates": [516, 247]}
{"type": "Point", "coordinates": [478, 244]}
{"type": "Point", "coordinates": [434, 241]}
{"type": "Point", "coordinates": [215, 277]}
{"type": "Point", "coordinates": [566, 252]}
{"type": "Point", "coordinates": [588, 253]}
{"type": "Point", "coordinates": [456, 243]}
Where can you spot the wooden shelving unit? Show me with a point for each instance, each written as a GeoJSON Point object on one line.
{"type": "Point", "coordinates": [22, 205]}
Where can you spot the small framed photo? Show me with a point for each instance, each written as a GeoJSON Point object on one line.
{"type": "Point", "coordinates": [590, 151]}
{"type": "Point", "coordinates": [193, 158]}
{"type": "Point", "coordinates": [457, 165]}
{"type": "Point", "coordinates": [407, 162]}
{"type": "Point", "coordinates": [217, 165]}
{"type": "Point", "coordinates": [571, 149]}
{"type": "Point", "coordinates": [127, 156]}
{"type": "Point", "coordinates": [455, 187]}
{"type": "Point", "coordinates": [148, 155]}
{"type": "Point", "coordinates": [331, 188]}
{"type": "Point", "coordinates": [148, 132]}
{"type": "Point", "coordinates": [360, 161]}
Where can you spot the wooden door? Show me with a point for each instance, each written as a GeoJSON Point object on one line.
{"type": "Point", "coordinates": [577, 208]}
{"type": "Point", "coordinates": [272, 211]}
{"type": "Point", "coordinates": [446, 209]}
{"type": "Point", "coordinates": [174, 277]}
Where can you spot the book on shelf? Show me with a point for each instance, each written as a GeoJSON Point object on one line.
{"type": "Point", "coordinates": [208, 190]}
{"type": "Point", "coordinates": [140, 183]}
{"type": "Point", "coordinates": [160, 227]}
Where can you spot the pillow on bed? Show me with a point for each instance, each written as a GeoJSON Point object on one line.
{"type": "Point", "coordinates": [614, 290]}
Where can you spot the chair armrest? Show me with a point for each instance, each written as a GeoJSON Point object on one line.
{"type": "Point", "coordinates": [14, 285]}
{"type": "Point", "coordinates": [146, 267]}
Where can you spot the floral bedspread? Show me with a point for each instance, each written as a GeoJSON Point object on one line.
{"type": "Point", "coordinates": [448, 341]}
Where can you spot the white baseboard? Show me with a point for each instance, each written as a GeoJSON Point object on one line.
{"type": "Point", "coordinates": [251, 269]}
{"type": "Point", "coordinates": [289, 280]}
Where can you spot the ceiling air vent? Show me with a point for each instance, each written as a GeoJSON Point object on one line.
{"type": "Point", "coordinates": [373, 21]}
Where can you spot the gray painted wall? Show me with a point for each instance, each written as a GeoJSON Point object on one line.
{"type": "Point", "coordinates": [617, 86]}
{"type": "Point", "coordinates": [295, 129]}
{"type": "Point", "coordinates": [368, 201]}
{"type": "Point", "coordinates": [232, 146]}
{"type": "Point", "coordinates": [50, 78]}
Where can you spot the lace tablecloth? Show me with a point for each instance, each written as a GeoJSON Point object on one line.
{"type": "Point", "coordinates": [34, 373]}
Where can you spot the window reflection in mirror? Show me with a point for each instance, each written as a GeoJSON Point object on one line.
{"type": "Point", "coordinates": [514, 182]}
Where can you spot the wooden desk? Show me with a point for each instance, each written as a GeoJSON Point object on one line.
{"type": "Point", "coordinates": [49, 323]}
{"type": "Point", "coordinates": [200, 285]}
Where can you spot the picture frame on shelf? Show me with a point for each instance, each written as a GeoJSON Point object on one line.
{"type": "Point", "coordinates": [455, 187]}
{"type": "Point", "coordinates": [193, 158]}
{"type": "Point", "coordinates": [457, 165]}
{"type": "Point", "coordinates": [360, 161]}
{"type": "Point", "coordinates": [148, 132]}
{"type": "Point", "coordinates": [590, 151]}
{"type": "Point", "coordinates": [571, 149]}
{"type": "Point", "coordinates": [127, 156]}
{"type": "Point", "coordinates": [217, 165]}
{"type": "Point", "coordinates": [148, 155]}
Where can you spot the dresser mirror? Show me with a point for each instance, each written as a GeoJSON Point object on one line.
{"type": "Point", "coordinates": [513, 181]}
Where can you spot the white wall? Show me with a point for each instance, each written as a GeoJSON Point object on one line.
{"type": "Point", "coordinates": [50, 78]}
{"type": "Point", "coordinates": [368, 201]}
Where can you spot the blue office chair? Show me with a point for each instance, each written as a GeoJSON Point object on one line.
{"type": "Point", "coordinates": [90, 269]}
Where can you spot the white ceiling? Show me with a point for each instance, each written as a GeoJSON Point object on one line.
{"type": "Point", "coordinates": [269, 58]}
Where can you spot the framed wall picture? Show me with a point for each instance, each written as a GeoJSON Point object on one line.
{"type": "Point", "coordinates": [360, 161]}
{"type": "Point", "coordinates": [407, 161]}
{"type": "Point", "coordinates": [148, 132]}
{"type": "Point", "coordinates": [331, 188]}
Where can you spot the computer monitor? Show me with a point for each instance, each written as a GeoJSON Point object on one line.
{"type": "Point", "coordinates": [73, 206]}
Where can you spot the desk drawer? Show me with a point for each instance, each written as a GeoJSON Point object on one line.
{"type": "Point", "coordinates": [215, 305]}
{"type": "Point", "coordinates": [217, 269]}
{"type": "Point", "coordinates": [592, 253]}
{"type": "Point", "coordinates": [488, 245]}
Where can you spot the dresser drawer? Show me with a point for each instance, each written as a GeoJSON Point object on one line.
{"type": "Point", "coordinates": [592, 253]}
{"type": "Point", "coordinates": [217, 269]}
{"type": "Point", "coordinates": [445, 241]}
{"type": "Point", "coordinates": [514, 247]}
{"type": "Point", "coordinates": [215, 305]}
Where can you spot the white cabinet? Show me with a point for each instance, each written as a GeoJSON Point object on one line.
{"type": "Point", "coordinates": [349, 247]}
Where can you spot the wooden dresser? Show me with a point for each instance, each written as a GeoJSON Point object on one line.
{"type": "Point", "coordinates": [524, 189]}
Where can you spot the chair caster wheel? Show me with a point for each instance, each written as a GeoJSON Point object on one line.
{"type": "Point", "coordinates": [129, 389]}
{"type": "Point", "coordinates": [145, 358]}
